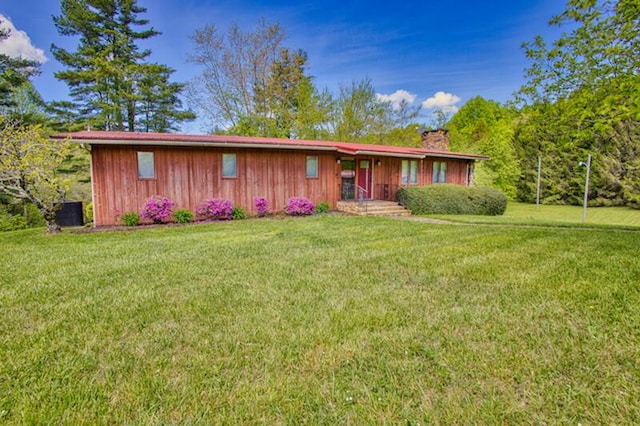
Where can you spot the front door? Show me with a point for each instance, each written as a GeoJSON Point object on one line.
{"type": "Point", "coordinates": [365, 179]}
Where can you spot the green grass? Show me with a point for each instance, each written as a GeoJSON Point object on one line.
{"type": "Point", "coordinates": [321, 320]}
{"type": "Point", "coordinates": [566, 216]}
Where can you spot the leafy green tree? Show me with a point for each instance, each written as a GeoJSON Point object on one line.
{"type": "Point", "coordinates": [584, 96]}
{"type": "Point", "coordinates": [289, 105]}
{"type": "Point", "coordinates": [358, 114]}
{"type": "Point", "coordinates": [28, 168]}
{"type": "Point", "coordinates": [106, 72]}
{"type": "Point", "coordinates": [313, 112]}
{"type": "Point", "coordinates": [486, 127]}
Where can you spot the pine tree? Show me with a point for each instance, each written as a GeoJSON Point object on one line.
{"type": "Point", "coordinates": [106, 72]}
{"type": "Point", "coordinates": [14, 74]}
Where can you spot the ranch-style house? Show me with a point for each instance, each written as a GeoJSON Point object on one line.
{"type": "Point", "coordinates": [128, 168]}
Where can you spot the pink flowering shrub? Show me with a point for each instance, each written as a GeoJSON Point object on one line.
{"type": "Point", "coordinates": [299, 206]}
{"type": "Point", "coordinates": [217, 209]}
{"type": "Point", "coordinates": [262, 206]}
{"type": "Point", "coordinates": [158, 209]}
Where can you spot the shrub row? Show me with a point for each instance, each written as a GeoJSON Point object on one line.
{"type": "Point", "coordinates": [452, 199]}
{"type": "Point", "coordinates": [160, 210]}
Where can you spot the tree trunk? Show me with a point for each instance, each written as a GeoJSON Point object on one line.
{"type": "Point", "coordinates": [50, 219]}
{"type": "Point", "coordinates": [53, 227]}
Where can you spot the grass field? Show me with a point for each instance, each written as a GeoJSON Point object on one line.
{"type": "Point", "coordinates": [566, 216]}
{"type": "Point", "coordinates": [321, 320]}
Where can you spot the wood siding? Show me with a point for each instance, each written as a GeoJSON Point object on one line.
{"type": "Point", "coordinates": [190, 175]}
{"type": "Point", "coordinates": [457, 171]}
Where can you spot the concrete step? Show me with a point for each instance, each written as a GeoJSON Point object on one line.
{"type": "Point", "coordinates": [372, 208]}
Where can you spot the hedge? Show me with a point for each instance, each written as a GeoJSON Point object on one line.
{"type": "Point", "coordinates": [452, 199]}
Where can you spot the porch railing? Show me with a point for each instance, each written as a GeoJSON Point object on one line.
{"type": "Point", "coordinates": [386, 191]}
{"type": "Point", "coordinates": [361, 192]}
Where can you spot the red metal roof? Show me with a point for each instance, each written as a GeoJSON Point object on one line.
{"type": "Point", "coordinates": [174, 139]}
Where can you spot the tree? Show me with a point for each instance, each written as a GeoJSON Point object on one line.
{"type": "Point", "coordinates": [160, 107]}
{"type": "Point", "coordinates": [28, 164]}
{"type": "Point", "coordinates": [486, 127]}
{"type": "Point", "coordinates": [289, 105]}
{"type": "Point", "coordinates": [26, 105]}
{"type": "Point", "coordinates": [14, 74]}
{"type": "Point", "coordinates": [359, 115]}
{"type": "Point", "coordinates": [234, 65]}
{"type": "Point", "coordinates": [583, 94]}
{"type": "Point", "coordinates": [253, 85]}
{"type": "Point", "coordinates": [107, 71]}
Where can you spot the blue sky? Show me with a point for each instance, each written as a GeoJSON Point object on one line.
{"type": "Point", "coordinates": [438, 53]}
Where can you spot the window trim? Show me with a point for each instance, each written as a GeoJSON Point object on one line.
{"type": "Point", "coordinates": [317, 167]}
{"type": "Point", "coordinates": [140, 157]}
{"type": "Point", "coordinates": [235, 165]}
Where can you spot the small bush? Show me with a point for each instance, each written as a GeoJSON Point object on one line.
{"type": "Point", "coordinates": [183, 216]}
{"type": "Point", "coordinates": [158, 209]}
{"type": "Point", "coordinates": [239, 213]}
{"type": "Point", "coordinates": [130, 219]}
{"type": "Point", "coordinates": [452, 199]}
{"type": "Point", "coordinates": [262, 206]}
{"type": "Point", "coordinates": [88, 212]}
{"type": "Point", "coordinates": [216, 209]}
{"type": "Point", "coordinates": [34, 216]}
{"type": "Point", "coordinates": [299, 206]}
{"type": "Point", "coordinates": [322, 208]}
{"type": "Point", "coordinates": [9, 222]}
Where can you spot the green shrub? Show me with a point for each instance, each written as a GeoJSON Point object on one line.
{"type": "Point", "coordinates": [88, 212]}
{"type": "Point", "coordinates": [239, 213]}
{"type": "Point", "coordinates": [183, 216]}
{"type": "Point", "coordinates": [34, 217]}
{"type": "Point", "coordinates": [9, 222]}
{"type": "Point", "coordinates": [322, 207]}
{"type": "Point", "coordinates": [131, 219]}
{"type": "Point", "coordinates": [452, 199]}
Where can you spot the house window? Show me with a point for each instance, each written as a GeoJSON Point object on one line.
{"type": "Point", "coordinates": [312, 167]}
{"type": "Point", "coordinates": [146, 166]}
{"type": "Point", "coordinates": [229, 166]}
{"type": "Point", "coordinates": [410, 171]}
{"type": "Point", "coordinates": [439, 172]}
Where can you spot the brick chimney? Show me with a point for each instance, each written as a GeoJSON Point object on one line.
{"type": "Point", "coordinates": [437, 140]}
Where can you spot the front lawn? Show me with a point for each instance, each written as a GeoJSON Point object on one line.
{"type": "Point", "coordinates": [321, 320]}
{"type": "Point", "coordinates": [553, 215]}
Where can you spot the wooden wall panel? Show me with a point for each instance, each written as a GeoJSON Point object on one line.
{"type": "Point", "coordinates": [190, 175]}
{"type": "Point", "coordinates": [456, 171]}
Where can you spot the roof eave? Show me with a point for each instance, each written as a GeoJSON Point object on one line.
{"type": "Point", "coordinates": [389, 154]}
{"type": "Point", "coordinates": [200, 144]}
{"type": "Point", "coordinates": [457, 156]}
{"type": "Point", "coordinates": [347, 150]}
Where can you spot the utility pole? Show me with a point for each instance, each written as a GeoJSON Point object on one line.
{"type": "Point", "coordinates": [586, 188]}
{"type": "Point", "coordinates": [538, 184]}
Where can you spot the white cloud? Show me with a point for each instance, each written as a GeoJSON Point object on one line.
{"type": "Point", "coordinates": [18, 45]}
{"type": "Point", "coordinates": [396, 98]}
{"type": "Point", "coordinates": [441, 100]}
